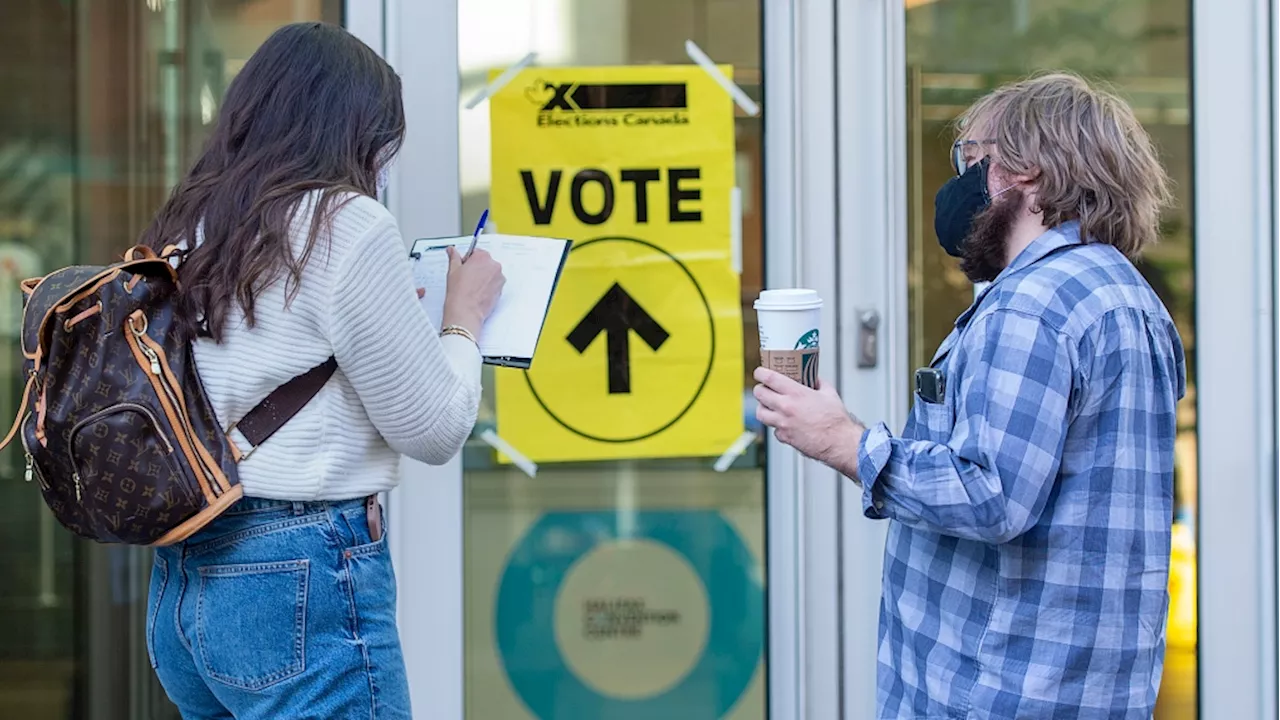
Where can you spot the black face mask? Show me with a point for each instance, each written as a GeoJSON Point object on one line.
{"type": "Point", "coordinates": [957, 202]}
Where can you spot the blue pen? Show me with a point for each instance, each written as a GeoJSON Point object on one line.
{"type": "Point", "coordinates": [475, 237]}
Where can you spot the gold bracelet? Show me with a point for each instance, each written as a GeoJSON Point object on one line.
{"type": "Point", "coordinates": [460, 332]}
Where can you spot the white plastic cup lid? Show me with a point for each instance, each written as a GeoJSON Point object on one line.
{"type": "Point", "coordinates": [788, 299]}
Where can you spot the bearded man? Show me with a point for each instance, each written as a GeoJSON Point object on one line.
{"type": "Point", "coordinates": [1030, 496]}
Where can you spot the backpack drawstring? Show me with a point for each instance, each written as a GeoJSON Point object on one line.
{"type": "Point", "coordinates": [22, 406]}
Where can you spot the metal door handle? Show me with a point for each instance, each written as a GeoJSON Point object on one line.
{"type": "Point", "coordinates": [867, 350]}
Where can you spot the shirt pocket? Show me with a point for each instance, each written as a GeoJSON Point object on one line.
{"type": "Point", "coordinates": [932, 421]}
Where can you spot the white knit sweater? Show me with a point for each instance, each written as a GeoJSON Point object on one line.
{"type": "Point", "coordinates": [400, 388]}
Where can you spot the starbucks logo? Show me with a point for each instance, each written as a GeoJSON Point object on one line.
{"type": "Point", "coordinates": [808, 340]}
{"type": "Point", "coordinates": [808, 344]}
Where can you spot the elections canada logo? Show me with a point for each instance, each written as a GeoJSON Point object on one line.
{"type": "Point", "coordinates": [573, 104]}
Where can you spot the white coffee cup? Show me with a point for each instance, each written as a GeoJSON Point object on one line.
{"type": "Point", "coordinates": [788, 320]}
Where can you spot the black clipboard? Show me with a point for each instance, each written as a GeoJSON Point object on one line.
{"type": "Point", "coordinates": [520, 363]}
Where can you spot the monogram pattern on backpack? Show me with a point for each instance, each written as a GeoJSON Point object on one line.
{"type": "Point", "coordinates": [118, 431]}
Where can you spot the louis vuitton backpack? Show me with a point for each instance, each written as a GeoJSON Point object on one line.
{"type": "Point", "coordinates": [117, 429]}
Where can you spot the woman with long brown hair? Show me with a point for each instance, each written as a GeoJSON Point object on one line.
{"type": "Point", "coordinates": [284, 607]}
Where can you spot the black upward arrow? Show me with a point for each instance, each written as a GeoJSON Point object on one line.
{"type": "Point", "coordinates": [617, 315]}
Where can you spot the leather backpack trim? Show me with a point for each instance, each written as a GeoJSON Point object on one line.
{"type": "Point", "coordinates": [82, 291]}
{"type": "Point", "coordinates": [115, 422]}
{"type": "Point", "coordinates": [193, 524]}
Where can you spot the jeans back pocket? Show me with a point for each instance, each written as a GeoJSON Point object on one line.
{"type": "Point", "coordinates": [251, 622]}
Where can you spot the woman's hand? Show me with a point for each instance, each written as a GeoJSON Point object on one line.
{"type": "Point", "coordinates": [473, 289]}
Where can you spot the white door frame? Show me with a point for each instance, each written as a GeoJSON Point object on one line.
{"type": "Point", "coordinates": [804, 573]}
{"type": "Point", "coordinates": [872, 181]}
{"type": "Point", "coordinates": [419, 38]}
{"type": "Point", "coordinates": [1236, 356]}
{"type": "Point", "coordinates": [426, 511]}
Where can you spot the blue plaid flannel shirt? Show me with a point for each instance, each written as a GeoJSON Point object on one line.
{"type": "Point", "coordinates": [1027, 565]}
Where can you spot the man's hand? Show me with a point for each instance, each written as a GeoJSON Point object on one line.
{"type": "Point", "coordinates": [815, 422]}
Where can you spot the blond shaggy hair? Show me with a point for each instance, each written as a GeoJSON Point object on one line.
{"type": "Point", "coordinates": [1092, 160]}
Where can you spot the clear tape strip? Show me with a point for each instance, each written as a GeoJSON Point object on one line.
{"type": "Point", "coordinates": [735, 451]}
{"type": "Point", "coordinates": [739, 95]}
{"type": "Point", "coordinates": [497, 83]}
{"type": "Point", "coordinates": [527, 466]}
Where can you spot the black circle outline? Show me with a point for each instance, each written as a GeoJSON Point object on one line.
{"type": "Point", "coordinates": [711, 359]}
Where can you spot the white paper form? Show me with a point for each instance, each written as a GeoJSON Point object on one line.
{"type": "Point", "coordinates": [532, 268]}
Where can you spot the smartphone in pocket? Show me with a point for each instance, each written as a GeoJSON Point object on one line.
{"type": "Point", "coordinates": [931, 385]}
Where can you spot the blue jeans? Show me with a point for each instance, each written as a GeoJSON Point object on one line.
{"type": "Point", "coordinates": [279, 610]}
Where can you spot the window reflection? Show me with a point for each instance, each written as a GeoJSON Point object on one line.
{"type": "Point", "coordinates": [957, 51]}
{"type": "Point", "coordinates": [105, 105]}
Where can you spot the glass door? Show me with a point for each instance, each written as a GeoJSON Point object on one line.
{"type": "Point", "coordinates": [627, 579]}
{"type": "Point", "coordinates": [941, 55]}
{"type": "Point", "coordinates": [957, 51]}
{"type": "Point", "coordinates": [105, 105]}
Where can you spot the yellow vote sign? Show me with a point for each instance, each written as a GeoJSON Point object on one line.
{"type": "Point", "coordinates": [641, 354]}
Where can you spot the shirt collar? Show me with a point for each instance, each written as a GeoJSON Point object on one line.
{"type": "Point", "coordinates": [1055, 238]}
{"type": "Point", "coordinates": [1068, 233]}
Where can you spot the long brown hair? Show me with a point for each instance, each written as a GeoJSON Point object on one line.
{"type": "Point", "coordinates": [314, 109]}
{"type": "Point", "coordinates": [1093, 161]}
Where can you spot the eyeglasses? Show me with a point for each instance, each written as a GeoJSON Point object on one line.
{"type": "Point", "coordinates": [965, 154]}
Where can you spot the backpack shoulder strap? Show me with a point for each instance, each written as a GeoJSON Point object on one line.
{"type": "Point", "coordinates": [281, 405]}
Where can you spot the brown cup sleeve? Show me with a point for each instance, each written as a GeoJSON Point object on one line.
{"type": "Point", "coordinates": [799, 365]}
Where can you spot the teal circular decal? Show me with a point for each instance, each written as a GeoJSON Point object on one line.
{"type": "Point", "coordinates": [560, 543]}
